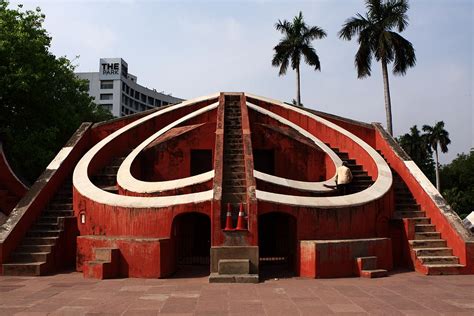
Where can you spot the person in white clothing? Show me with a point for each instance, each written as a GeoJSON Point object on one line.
{"type": "Point", "coordinates": [343, 178]}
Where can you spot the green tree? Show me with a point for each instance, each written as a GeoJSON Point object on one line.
{"type": "Point", "coordinates": [295, 44]}
{"type": "Point", "coordinates": [437, 135]}
{"type": "Point", "coordinates": [417, 147]}
{"type": "Point", "coordinates": [377, 39]}
{"type": "Point", "coordinates": [457, 180]}
{"type": "Point", "coordinates": [42, 102]}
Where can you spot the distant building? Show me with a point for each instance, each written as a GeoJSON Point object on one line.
{"type": "Point", "coordinates": [115, 89]}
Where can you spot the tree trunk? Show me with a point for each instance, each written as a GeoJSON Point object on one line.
{"type": "Point", "coordinates": [298, 86]}
{"type": "Point", "coordinates": [388, 102]}
{"type": "Point", "coordinates": [438, 186]}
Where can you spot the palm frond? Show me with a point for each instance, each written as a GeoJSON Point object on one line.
{"type": "Point", "coordinates": [310, 56]}
{"type": "Point", "coordinates": [363, 59]}
{"type": "Point", "coordinates": [314, 32]}
{"type": "Point", "coordinates": [404, 54]}
{"type": "Point", "coordinates": [353, 26]}
{"type": "Point", "coordinates": [283, 26]}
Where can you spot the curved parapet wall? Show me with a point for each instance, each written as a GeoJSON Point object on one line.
{"type": "Point", "coordinates": [12, 189]}
{"type": "Point", "coordinates": [87, 189]}
{"type": "Point", "coordinates": [337, 136]}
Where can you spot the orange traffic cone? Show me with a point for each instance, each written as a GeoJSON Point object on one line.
{"type": "Point", "coordinates": [228, 221]}
{"type": "Point", "coordinates": [241, 220]}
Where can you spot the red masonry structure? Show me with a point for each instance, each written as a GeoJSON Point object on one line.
{"type": "Point", "coordinates": [144, 195]}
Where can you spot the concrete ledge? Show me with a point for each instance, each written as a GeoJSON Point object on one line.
{"type": "Point", "coordinates": [337, 258]}
{"type": "Point", "coordinates": [234, 266]}
{"type": "Point", "coordinates": [233, 278]}
{"type": "Point", "coordinates": [235, 252]}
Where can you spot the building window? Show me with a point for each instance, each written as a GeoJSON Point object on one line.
{"type": "Point", "coordinates": [127, 90]}
{"type": "Point", "coordinates": [123, 86]}
{"type": "Point", "coordinates": [132, 92]}
{"type": "Point", "coordinates": [151, 101]}
{"type": "Point", "coordinates": [107, 107]}
{"type": "Point", "coordinates": [106, 96]}
{"type": "Point", "coordinates": [143, 98]}
{"type": "Point", "coordinates": [137, 95]}
{"type": "Point", "coordinates": [107, 84]}
{"type": "Point", "coordinates": [157, 102]}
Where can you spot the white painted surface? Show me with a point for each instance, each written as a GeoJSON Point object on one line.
{"type": "Point", "coordinates": [319, 186]}
{"type": "Point", "coordinates": [126, 180]}
{"type": "Point", "coordinates": [85, 186]}
{"type": "Point", "coordinates": [58, 160]}
{"type": "Point", "coordinates": [380, 187]}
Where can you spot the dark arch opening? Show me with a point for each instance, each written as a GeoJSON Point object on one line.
{"type": "Point", "coordinates": [277, 245]}
{"type": "Point", "coordinates": [192, 241]}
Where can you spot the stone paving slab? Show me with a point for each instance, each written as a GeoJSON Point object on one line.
{"type": "Point", "coordinates": [403, 293]}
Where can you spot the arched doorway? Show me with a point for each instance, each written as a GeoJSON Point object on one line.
{"type": "Point", "coordinates": [277, 244]}
{"type": "Point", "coordinates": [192, 240]}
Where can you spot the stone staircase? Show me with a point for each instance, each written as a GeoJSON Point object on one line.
{"type": "Point", "coordinates": [106, 264]}
{"type": "Point", "coordinates": [233, 187]}
{"type": "Point", "coordinates": [35, 254]}
{"type": "Point", "coordinates": [361, 180]}
{"type": "Point", "coordinates": [429, 252]}
{"type": "Point", "coordinates": [367, 268]}
{"type": "Point", "coordinates": [106, 179]}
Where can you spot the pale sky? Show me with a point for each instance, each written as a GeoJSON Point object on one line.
{"type": "Point", "coordinates": [194, 48]}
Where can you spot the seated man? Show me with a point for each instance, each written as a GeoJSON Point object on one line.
{"type": "Point", "coordinates": [343, 178]}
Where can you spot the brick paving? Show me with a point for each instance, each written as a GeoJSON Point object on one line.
{"type": "Point", "coordinates": [403, 293]}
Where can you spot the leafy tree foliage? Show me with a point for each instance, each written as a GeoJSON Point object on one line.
{"type": "Point", "coordinates": [42, 102]}
{"type": "Point", "coordinates": [377, 39]}
{"type": "Point", "coordinates": [437, 135]}
{"type": "Point", "coordinates": [295, 45]}
{"type": "Point", "coordinates": [458, 183]}
{"type": "Point", "coordinates": [416, 146]}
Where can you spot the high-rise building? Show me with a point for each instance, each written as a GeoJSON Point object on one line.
{"type": "Point", "coordinates": [113, 88]}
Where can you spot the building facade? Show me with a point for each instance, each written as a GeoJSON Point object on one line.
{"type": "Point", "coordinates": [116, 90]}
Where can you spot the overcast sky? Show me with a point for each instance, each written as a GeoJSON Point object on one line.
{"type": "Point", "coordinates": [193, 48]}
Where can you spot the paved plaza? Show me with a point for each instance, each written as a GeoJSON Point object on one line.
{"type": "Point", "coordinates": [402, 293]}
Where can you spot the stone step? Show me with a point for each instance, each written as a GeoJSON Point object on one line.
{"type": "Point", "coordinates": [43, 233]}
{"type": "Point", "coordinates": [425, 228]}
{"type": "Point", "coordinates": [57, 213]}
{"type": "Point", "coordinates": [354, 167]}
{"type": "Point", "coordinates": [376, 273]}
{"type": "Point", "coordinates": [40, 240]}
{"type": "Point", "coordinates": [35, 248]}
{"type": "Point", "coordinates": [48, 219]}
{"type": "Point", "coordinates": [443, 269]}
{"type": "Point", "coordinates": [367, 263]}
{"type": "Point", "coordinates": [234, 175]}
{"type": "Point", "coordinates": [233, 197]}
{"type": "Point", "coordinates": [428, 235]}
{"type": "Point", "coordinates": [439, 259]}
{"type": "Point", "coordinates": [423, 252]}
{"type": "Point", "coordinates": [361, 177]}
{"type": "Point", "coordinates": [421, 220]}
{"type": "Point", "coordinates": [24, 268]}
{"type": "Point", "coordinates": [233, 278]}
{"type": "Point", "coordinates": [232, 182]}
{"type": "Point", "coordinates": [234, 266]}
{"type": "Point", "coordinates": [17, 257]}
{"type": "Point", "coordinates": [408, 214]}
{"type": "Point", "coordinates": [45, 226]}
{"type": "Point", "coordinates": [407, 207]}
{"type": "Point", "coordinates": [428, 243]}
{"type": "Point", "coordinates": [60, 206]}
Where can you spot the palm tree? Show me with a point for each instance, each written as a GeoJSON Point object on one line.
{"type": "Point", "coordinates": [295, 43]}
{"type": "Point", "coordinates": [437, 135]}
{"type": "Point", "coordinates": [376, 39]}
